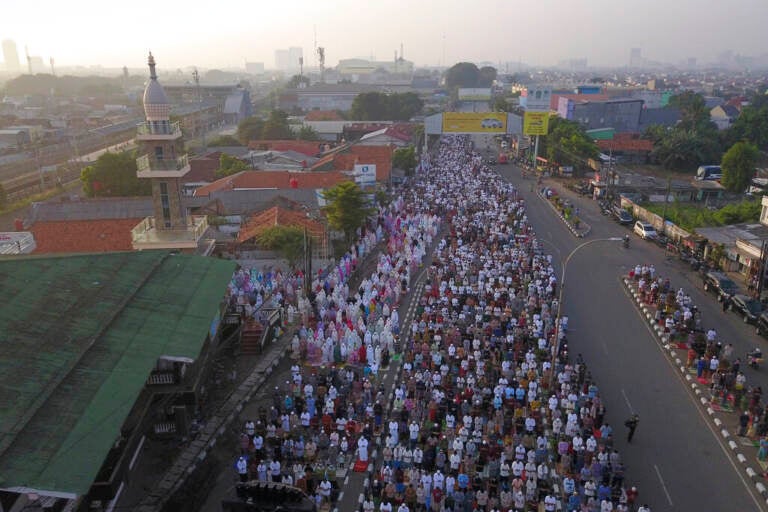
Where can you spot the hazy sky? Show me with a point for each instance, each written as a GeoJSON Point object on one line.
{"type": "Point", "coordinates": [225, 34]}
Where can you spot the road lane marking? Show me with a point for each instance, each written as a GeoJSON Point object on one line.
{"type": "Point", "coordinates": [663, 485]}
{"type": "Point", "coordinates": [629, 405]}
{"type": "Point", "coordinates": [739, 474]}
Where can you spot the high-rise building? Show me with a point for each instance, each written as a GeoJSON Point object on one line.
{"type": "Point", "coordinates": [254, 68]}
{"type": "Point", "coordinates": [11, 55]}
{"type": "Point", "coordinates": [165, 164]}
{"type": "Point", "coordinates": [281, 59]}
{"type": "Point", "coordinates": [295, 56]}
{"type": "Point", "coordinates": [289, 60]}
{"type": "Point", "coordinates": [635, 58]}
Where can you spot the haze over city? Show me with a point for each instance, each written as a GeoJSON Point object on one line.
{"type": "Point", "coordinates": [86, 32]}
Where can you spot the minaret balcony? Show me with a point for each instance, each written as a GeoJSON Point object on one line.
{"type": "Point", "coordinates": [158, 131]}
{"type": "Point", "coordinates": [152, 167]}
{"type": "Point", "coordinates": [147, 235]}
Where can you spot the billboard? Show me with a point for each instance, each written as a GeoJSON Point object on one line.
{"type": "Point", "coordinates": [365, 174]}
{"type": "Point", "coordinates": [475, 94]}
{"type": "Point", "coordinates": [536, 123]}
{"type": "Point", "coordinates": [474, 122]}
{"type": "Point", "coordinates": [537, 98]}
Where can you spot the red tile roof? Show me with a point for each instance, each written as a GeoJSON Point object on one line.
{"type": "Point", "coordinates": [203, 169]}
{"type": "Point", "coordinates": [278, 216]}
{"type": "Point", "coordinates": [345, 159]}
{"type": "Point", "coordinates": [626, 142]}
{"type": "Point", "coordinates": [323, 115]}
{"type": "Point", "coordinates": [309, 148]}
{"type": "Point", "coordinates": [274, 180]}
{"type": "Point", "coordinates": [84, 236]}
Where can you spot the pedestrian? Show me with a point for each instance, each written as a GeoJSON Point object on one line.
{"type": "Point", "coordinates": [631, 424]}
{"type": "Point", "coordinates": [242, 468]}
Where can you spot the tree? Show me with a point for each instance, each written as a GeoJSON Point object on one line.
{"type": "Point", "coordinates": [229, 165]}
{"type": "Point", "coordinates": [3, 197]}
{"type": "Point", "coordinates": [739, 166]}
{"type": "Point", "coordinates": [114, 175]}
{"type": "Point", "coordinates": [276, 127]}
{"type": "Point", "coordinates": [462, 74]}
{"type": "Point", "coordinates": [250, 129]}
{"type": "Point", "coordinates": [685, 150]}
{"type": "Point", "coordinates": [376, 106]}
{"type": "Point", "coordinates": [693, 111]}
{"type": "Point", "coordinates": [485, 76]}
{"type": "Point", "coordinates": [752, 123]}
{"type": "Point", "coordinates": [567, 143]}
{"type": "Point", "coordinates": [405, 159]}
{"type": "Point", "coordinates": [307, 133]}
{"type": "Point", "coordinates": [297, 80]}
{"type": "Point", "coordinates": [347, 208]}
{"type": "Point", "coordinates": [287, 240]}
{"type": "Point", "coordinates": [224, 140]}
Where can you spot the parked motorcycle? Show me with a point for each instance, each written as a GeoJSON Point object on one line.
{"type": "Point", "coordinates": [626, 241]}
{"type": "Point", "coordinates": [754, 358]}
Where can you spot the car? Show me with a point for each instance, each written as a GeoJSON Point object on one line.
{"type": "Point", "coordinates": [491, 123]}
{"type": "Point", "coordinates": [762, 325]}
{"type": "Point", "coordinates": [719, 284]}
{"type": "Point", "coordinates": [746, 306]}
{"type": "Point", "coordinates": [622, 215]}
{"type": "Point", "coordinates": [644, 230]}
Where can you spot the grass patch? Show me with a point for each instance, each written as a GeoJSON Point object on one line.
{"type": "Point", "coordinates": [689, 216]}
{"type": "Point", "coordinates": [20, 204]}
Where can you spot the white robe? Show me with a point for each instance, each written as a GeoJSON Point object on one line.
{"type": "Point", "coordinates": [362, 449]}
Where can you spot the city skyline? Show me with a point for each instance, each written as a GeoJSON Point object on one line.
{"type": "Point", "coordinates": [602, 32]}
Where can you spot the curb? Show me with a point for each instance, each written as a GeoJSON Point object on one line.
{"type": "Point", "coordinates": [756, 478]}
{"type": "Point", "coordinates": [570, 227]}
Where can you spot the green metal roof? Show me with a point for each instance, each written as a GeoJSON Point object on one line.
{"type": "Point", "coordinates": [79, 336]}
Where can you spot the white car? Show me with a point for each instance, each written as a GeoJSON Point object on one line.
{"type": "Point", "coordinates": [491, 123]}
{"type": "Point", "coordinates": [644, 230]}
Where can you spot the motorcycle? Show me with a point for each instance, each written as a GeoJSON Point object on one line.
{"type": "Point", "coordinates": [754, 358]}
{"type": "Point", "coordinates": [626, 241]}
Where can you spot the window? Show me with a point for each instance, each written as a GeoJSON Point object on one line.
{"type": "Point", "coordinates": [165, 203]}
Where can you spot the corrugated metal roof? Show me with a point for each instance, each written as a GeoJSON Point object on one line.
{"type": "Point", "coordinates": [80, 336]}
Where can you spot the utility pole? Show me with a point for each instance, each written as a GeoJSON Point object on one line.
{"type": "Point", "coordinates": [196, 77]}
{"type": "Point", "coordinates": [664, 211]}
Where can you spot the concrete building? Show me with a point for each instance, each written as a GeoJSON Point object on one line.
{"type": "Point", "coordinates": [11, 55]}
{"type": "Point", "coordinates": [254, 68]}
{"type": "Point", "coordinates": [288, 59]}
{"type": "Point", "coordinates": [623, 114]}
{"type": "Point", "coordinates": [165, 165]}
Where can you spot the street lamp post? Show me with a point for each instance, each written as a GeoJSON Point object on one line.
{"type": "Point", "coordinates": [558, 318]}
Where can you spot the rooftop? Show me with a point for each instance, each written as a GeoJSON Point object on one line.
{"type": "Point", "coordinates": [80, 335]}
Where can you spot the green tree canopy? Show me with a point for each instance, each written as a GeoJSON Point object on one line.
{"type": "Point", "coordinates": [297, 80]}
{"type": "Point", "coordinates": [752, 123]}
{"type": "Point", "coordinates": [376, 106]}
{"type": "Point", "coordinates": [685, 150]}
{"type": "Point", "coordinates": [229, 165]}
{"type": "Point", "coordinates": [250, 129]}
{"type": "Point", "coordinates": [462, 74]}
{"type": "Point", "coordinates": [276, 127]}
{"type": "Point", "coordinates": [114, 175]}
{"type": "Point", "coordinates": [3, 197]}
{"type": "Point", "coordinates": [693, 111]}
{"type": "Point", "coordinates": [485, 76]}
{"type": "Point", "coordinates": [307, 133]}
{"type": "Point", "coordinates": [739, 166]}
{"type": "Point", "coordinates": [347, 208]}
{"type": "Point", "coordinates": [405, 158]}
{"type": "Point", "coordinates": [224, 140]}
{"type": "Point", "coordinates": [287, 240]}
{"type": "Point", "coordinates": [567, 143]}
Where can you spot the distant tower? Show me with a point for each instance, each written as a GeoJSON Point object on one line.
{"type": "Point", "coordinates": [53, 68]}
{"type": "Point", "coordinates": [11, 55]}
{"type": "Point", "coordinates": [321, 59]}
{"type": "Point", "coordinates": [163, 163]}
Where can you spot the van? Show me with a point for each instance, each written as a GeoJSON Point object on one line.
{"type": "Point", "coordinates": [709, 172]}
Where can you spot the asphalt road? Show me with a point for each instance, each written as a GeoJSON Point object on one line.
{"type": "Point", "coordinates": [677, 459]}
